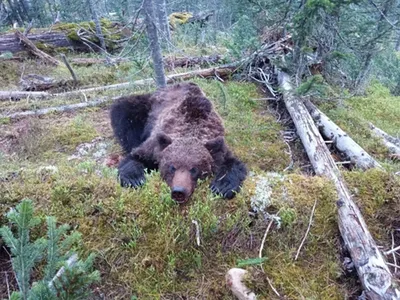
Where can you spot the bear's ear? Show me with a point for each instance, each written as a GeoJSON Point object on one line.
{"type": "Point", "coordinates": [215, 145]}
{"type": "Point", "coordinates": [163, 140]}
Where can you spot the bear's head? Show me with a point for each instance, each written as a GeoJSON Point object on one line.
{"type": "Point", "coordinates": [183, 161]}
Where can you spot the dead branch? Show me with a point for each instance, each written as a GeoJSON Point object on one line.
{"type": "Point", "coordinates": [70, 263]}
{"type": "Point", "coordinates": [35, 51]}
{"type": "Point", "coordinates": [342, 141]}
{"type": "Point", "coordinates": [69, 68]}
{"type": "Point", "coordinates": [373, 272]}
{"type": "Point", "coordinates": [307, 231]}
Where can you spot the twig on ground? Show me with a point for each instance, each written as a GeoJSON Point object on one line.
{"type": "Point", "coordinates": [392, 250]}
{"type": "Point", "coordinates": [8, 286]}
{"type": "Point", "coordinates": [272, 287]}
{"type": "Point", "coordinates": [394, 254]}
{"type": "Point", "coordinates": [264, 238]}
{"type": "Point", "coordinates": [196, 224]}
{"type": "Point", "coordinates": [70, 263]}
{"type": "Point", "coordinates": [260, 255]}
{"type": "Point", "coordinates": [307, 231]}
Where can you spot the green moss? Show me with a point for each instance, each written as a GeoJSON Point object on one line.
{"type": "Point", "coordinates": [377, 193]}
{"type": "Point", "coordinates": [146, 244]}
{"type": "Point", "coordinates": [378, 107]}
{"type": "Point", "coordinates": [109, 32]}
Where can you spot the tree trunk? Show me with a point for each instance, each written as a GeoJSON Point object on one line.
{"type": "Point", "coordinates": [97, 23]}
{"type": "Point", "coordinates": [162, 16]}
{"type": "Point", "coordinates": [362, 78]}
{"type": "Point", "coordinates": [371, 267]}
{"type": "Point", "coordinates": [152, 34]}
{"type": "Point", "coordinates": [397, 47]}
{"type": "Point", "coordinates": [341, 139]}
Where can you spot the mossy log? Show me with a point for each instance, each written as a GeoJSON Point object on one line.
{"type": "Point", "coordinates": [373, 272]}
{"type": "Point", "coordinates": [66, 36]}
{"type": "Point", "coordinates": [341, 139]}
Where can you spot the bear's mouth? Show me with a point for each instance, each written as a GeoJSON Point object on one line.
{"type": "Point", "coordinates": [179, 195]}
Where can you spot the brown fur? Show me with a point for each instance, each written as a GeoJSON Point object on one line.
{"type": "Point", "coordinates": [185, 139]}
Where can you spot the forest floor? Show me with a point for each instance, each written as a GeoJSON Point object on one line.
{"type": "Point", "coordinates": [145, 244]}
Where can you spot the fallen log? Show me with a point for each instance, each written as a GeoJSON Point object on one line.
{"type": "Point", "coordinates": [221, 72]}
{"type": "Point", "coordinates": [35, 51]}
{"type": "Point", "coordinates": [39, 83]}
{"type": "Point", "coordinates": [187, 62]}
{"type": "Point", "coordinates": [392, 143]}
{"type": "Point", "coordinates": [48, 110]}
{"type": "Point", "coordinates": [65, 36]}
{"type": "Point", "coordinates": [341, 139]}
{"type": "Point", "coordinates": [374, 274]}
{"type": "Point", "coordinates": [18, 95]}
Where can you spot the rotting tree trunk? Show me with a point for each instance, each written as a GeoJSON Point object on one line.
{"type": "Point", "coordinates": [391, 143]}
{"type": "Point", "coordinates": [341, 139]}
{"type": "Point", "coordinates": [35, 51]}
{"type": "Point", "coordinates": [375, 276]}
{"type": "Point", "coordinates": [155, 48]}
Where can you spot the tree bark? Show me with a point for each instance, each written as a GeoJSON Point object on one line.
{"type": "Point", "coordinates": [341, 139]}
{"type": "Point", "coordinates": [152, 34]}
{"type": "Point", "coordinates": [162, 16]}
{"type": "Point", "coordinates": [371, 267]}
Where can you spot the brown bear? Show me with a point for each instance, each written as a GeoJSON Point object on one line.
{"type": "Point", "coordinates": [177, 130]}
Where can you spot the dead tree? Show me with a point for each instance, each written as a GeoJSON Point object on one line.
{"type": "Point", "coordinates": [341, 139]}
{"type": "Point", "coordinates": [152, 34]}
{"type": "Point", "coordinates": [374, 274]}
{"type": "Point", "coordinates": [162, 17]}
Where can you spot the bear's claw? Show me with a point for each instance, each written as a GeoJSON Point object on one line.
{"type": "Point", "coordinates": [131, 173]}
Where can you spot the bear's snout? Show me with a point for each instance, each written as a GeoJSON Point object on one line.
{"type": "Point", "coordinates": [182, 186]}
{"type": "Point", "coordinates": [179, 194]}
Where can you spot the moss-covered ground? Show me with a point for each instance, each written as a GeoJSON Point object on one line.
{"type": "Point", "coordinates": [146, 244]}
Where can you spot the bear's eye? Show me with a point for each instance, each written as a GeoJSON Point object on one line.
{"type": "Point", "coordinates": [172, 169]}
{"type": "Point", "coordinates": [194, 171]}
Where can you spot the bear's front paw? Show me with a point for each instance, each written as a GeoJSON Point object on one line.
{"type": "Point", "coordinates": [131, 173]}
{"type": "Point", "coordinates": [229, 179]}
{"type": "Point", "coordinates": [225, 186]}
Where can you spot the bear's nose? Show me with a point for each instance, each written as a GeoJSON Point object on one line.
{"type": "Point", "coordinates": [179, 194]}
